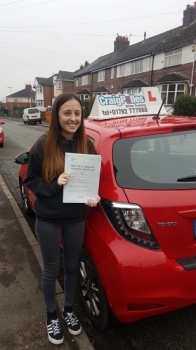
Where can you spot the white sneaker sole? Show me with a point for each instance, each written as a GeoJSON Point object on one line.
{"type": "Point", "coordinates": [75, 332]}
{"type": "Point", "coordinates": [54, 341]}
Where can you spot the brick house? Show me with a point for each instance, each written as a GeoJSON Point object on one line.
{"type": "Point", "coordinates": [44, 88]}
{"type": "Point", "coordinates": [47, 89]}
{"type": "Point", "coordinates": [63, 82]}
{"type": "Point", "coordinates": [23, 98]}
{"type": "Point", "coordinates": [166, 60]}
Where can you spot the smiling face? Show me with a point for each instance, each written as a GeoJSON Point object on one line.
{"type": "Point", "coordinates": [70, 116]}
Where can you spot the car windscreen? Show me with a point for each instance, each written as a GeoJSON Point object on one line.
{"type": "Point", "coordinates": [33, 110]}
{"type": "Point", "coordinates": [166, 161]}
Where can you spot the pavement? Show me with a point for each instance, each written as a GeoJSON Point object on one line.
{"type": "Point", "coordinates": [23, 315]}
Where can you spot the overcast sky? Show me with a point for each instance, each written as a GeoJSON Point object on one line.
{"type": "Point", "coordinates": [40, 37]}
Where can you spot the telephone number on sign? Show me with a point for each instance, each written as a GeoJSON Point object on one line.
{"type": "Point", "coordinates": [125, 111]}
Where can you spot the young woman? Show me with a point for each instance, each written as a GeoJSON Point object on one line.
{"type": "Point", "coordinates": [55, 219]}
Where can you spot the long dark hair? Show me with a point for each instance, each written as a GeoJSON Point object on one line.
{"type": "Point", "coordinates": [53, 162]}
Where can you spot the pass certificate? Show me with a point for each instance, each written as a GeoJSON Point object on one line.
{"type": "Point", "coordinates": [84, 171]}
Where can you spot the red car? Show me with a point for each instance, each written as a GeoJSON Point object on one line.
{"type": "Point", "coordinates": [1, 133]}
{"type": "Point", "coordinates": [139, 254]}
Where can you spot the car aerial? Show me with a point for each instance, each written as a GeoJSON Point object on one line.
{"type": "Point", "coordinates": [139, 252]}
{"type": "Point", "coordinates": [1, 133]}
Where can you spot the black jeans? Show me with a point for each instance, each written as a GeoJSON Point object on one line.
{"type": "Point", "coordinates": [49, 235]}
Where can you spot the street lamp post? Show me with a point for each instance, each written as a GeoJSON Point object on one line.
{"type": "Point", "coordinates": [9, 87]}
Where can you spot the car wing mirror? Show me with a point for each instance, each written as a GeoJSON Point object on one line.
{"type": "Point", "coordinates": [22, 158]}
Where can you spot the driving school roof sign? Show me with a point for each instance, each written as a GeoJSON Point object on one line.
{"type": "Point", "coordinates": [147, 102]}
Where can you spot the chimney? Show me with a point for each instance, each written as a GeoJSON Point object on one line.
{"type": "Point", "coordinates": [144, 36]}
{"type": "Point", "coordinates": [189, 15]}
{"type": "Point", "coordinates": [120, 42]}
{"type": "Point", "coordinates": [28, 87]}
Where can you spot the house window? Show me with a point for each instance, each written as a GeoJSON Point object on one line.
{"type": "Point", "coordinates": [132, 91]}
{"type": "Point", "coordinates": [173, 57]}
{"type": "Point", "coordinates": [39, 89]}
{"type": "Point", "coordinates": [171, 92]}
{"type": "Point", "coordinates": [85, 80]}
{"type": "Point", "coordinates": [112, 73]}
{"type": "Point", "coordinates": [84, 97]}
{"type": "Point", "coordinates": [136, 66]}
{"type": "Point", "coordinates": [99, 93]}
{"type": "Point", "coordinates": [76, 80]}
{"type": "Point", "coordinates": [120, 70]}
{"type": "Point", "coordinates": [40, 103]}
{"type": "Point", "coordinates": [101, 75]}
{"type": "Point", "coordinates": [58, 85]}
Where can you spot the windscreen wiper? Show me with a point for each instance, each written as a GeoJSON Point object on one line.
{"type": "Point", "coordinates": [187, 178]}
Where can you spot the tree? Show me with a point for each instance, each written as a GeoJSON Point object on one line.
{"type": "Point", "coordinates": [86, 63]}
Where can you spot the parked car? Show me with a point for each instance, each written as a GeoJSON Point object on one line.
{"type": "Point", "coordinates": [31, 116]}
{"type": "Point", "coordinates": [139, 253]}
{"type": "Point", "coordinates": [1, 133]}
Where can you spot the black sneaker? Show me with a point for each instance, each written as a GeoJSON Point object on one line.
{"type": "Point", "coordinates": [55, 335]}
{"type": "Point", "coordinates": [73, 324]}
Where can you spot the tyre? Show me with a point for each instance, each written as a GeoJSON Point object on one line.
{"type": "Point", "coordinates": [25, 200]}
{"type": "Point", "coordinates": [1, 144]}
{"type": "Point", "coordinates": [24, 121]}
{"type": "Point", "coordinates": [40, 122]}
{"type": "Point", "coordinates": [28, 122]}
{"type": "Point", "coordinates": [92, 293]}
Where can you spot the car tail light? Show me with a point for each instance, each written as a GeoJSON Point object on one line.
{"type": "Point", "coordinates": [129, 221]}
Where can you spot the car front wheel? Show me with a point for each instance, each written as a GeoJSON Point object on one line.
{"type": "Point", "coordinates": [92, 292]}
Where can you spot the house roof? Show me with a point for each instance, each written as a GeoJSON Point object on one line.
{"type": "Point", "coordinates": [45, 81]}
{"type": "Point", "coordinates": [173, 77]}
{"type": "Point", "coordinates": [83, 92]}
{"type": "Point", "coordinates": [166, 41]}
{"type": "Point", "coordinates": [64, 75]}
{"type": "Point", "coordinates": [25, 93]}
{"type": "Point", "coordinates": [135, 83]}
{"type": "Point", "coordinates": [100, 89]}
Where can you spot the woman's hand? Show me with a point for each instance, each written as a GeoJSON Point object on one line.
{"type": "Point", "coordinates": [62, 179]}
{"type": "Point", "coordinates": [93, 203]}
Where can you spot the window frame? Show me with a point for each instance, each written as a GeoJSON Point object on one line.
{"type": "Point", "coordinates": [173, 57]}
{"type": "Point", "coordinates": [168, 92]}
{"type": "Point", "coordinates": [137, 66]}
{"type": "Point", "coordinates": [120, 70]}
{"type": "Point", "coordinates": [101, 75]}
{"type": "Point", "coordinates": [39, 89]}
{"type": "Point", "coordinates": [112, 73]}
{"type": "Point", "coordinates": [58, 85]}
{"type": "Point", "coordinates": [84, 79]}
{"type": "Point", "coordinates": [40, 103]}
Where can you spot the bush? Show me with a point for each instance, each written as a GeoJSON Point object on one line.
{"type": "Point", "coordinates": [18, 111]}
{"type": "Point", "coordinates": [87, 106]}
{"type": "Point", "coordinates": [185, 105]}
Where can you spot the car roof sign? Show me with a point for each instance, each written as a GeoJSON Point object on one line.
{"type": "Point", "coordinates": [147, 102]}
